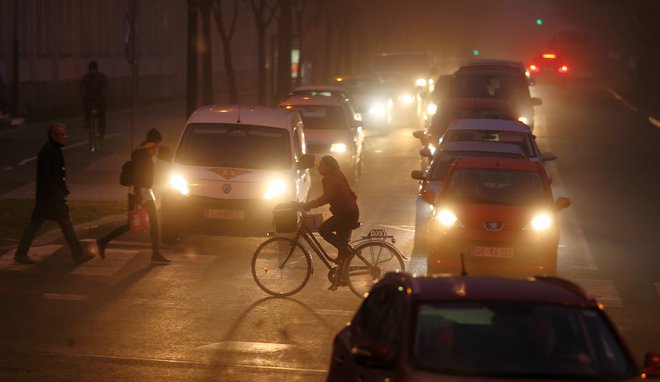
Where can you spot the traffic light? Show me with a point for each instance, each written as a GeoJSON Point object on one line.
{"type": "Point", "coordinates": [539, 22]}
{"type": "Point", "coordinates": [475, 52]}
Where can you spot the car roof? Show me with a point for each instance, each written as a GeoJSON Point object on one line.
{"type": "Point", "coordinates": [476, 103]}
{"type": "Point", "coordinates": [489, 124]}
{"type": "Point", "coordinates": [498, 163]}
{"type": "Point", "coordinates": [496, 62]}
{"type": "Point", "coordinates": [453, 288]}
{"type": "Point", "coordinates": [299, 100]}
{"type": "Point", "coordinates": [542, 290]}
{"type": "Point", "coordinates": [481, 146]}
{"type": "Point", "coordinates": [248, 115]}
{"type": "Point", "coordinates": [332, 88]}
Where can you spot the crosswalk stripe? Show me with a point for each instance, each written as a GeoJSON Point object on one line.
{"type": "Point", "coordinates": [114, 261]}
{"type": "Point", "coordinates": [36, 253]}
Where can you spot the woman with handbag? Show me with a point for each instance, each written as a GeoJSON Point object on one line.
{"type": "Point", "coordinates": [141, 199]}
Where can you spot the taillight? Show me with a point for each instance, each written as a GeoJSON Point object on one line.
{"type": "Point", "coordinates": [533, 68]}
{"type": "Point", "coordinates": [563, 69]}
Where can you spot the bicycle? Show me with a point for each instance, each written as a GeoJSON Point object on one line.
{"type": "Point", "coordinates": [94, 131]}
{"type": "Point", "coordinates": [282, 266]}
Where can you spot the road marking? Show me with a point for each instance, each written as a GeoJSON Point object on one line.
{"type": "Point", "coordinates": [114, 260]}
{"type": "Point", "coordinates": [66, 297]}
{"type": "Point", "coordinates": [36, 253]}
{"type": "Point", "coordinates": [654, 121]}
{"type": "Point", "coordinates": [330, 312]}
{"type": "Point", "coordinates": [622, 100]}
{"type": "Point", "coordinates": [246, 347]}
{"type": "Point", "coordinates": [399, 227]}
{"type": "Point", "coordinates": [603, 290]}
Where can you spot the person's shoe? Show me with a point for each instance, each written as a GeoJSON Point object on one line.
{"type": "Point", "coordinates": [332, 287]}
{"type": "Point", "coordinates": [24, 260]}
{"type": "Point", "coordinates": [82, 259]}
{"type": "Point", "coordinates": [160, 260]}
{"type": "Point", "coordinates": [100, 246]}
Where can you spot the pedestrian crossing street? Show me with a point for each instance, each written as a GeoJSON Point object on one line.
{"type": "Point", "coordinates": [605, 291]}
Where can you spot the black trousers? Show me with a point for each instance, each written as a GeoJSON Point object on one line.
{"type": "Point", "coordinates": [153, 225]}
{"type": "Point", "coordinates": [58, 213]}
{"type": "Point", "coordinates": [337, 229]}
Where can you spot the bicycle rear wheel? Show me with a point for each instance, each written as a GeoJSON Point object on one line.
{"type": "Point", "coordinates": [370, 261]}
{"type": "Point", "coordinates": [281, 266]}
{"type": "Point", "coordinates": [93, 134]}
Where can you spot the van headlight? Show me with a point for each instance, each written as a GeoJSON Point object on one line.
{"type": "Point", "coordinates": [406, 98]}
{"type": "Point", "coordinates": [180, 184]}
{"type": "Point", "coordinates": [275, 189]}
{"type": "Point", "coordinates": [338, 148]}
{"type": "Point", "coordinates": [431, 108]}
{"type": "Point", "coordinates": [540, 223]}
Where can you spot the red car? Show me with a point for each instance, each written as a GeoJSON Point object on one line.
{"type": "Point", "coordinates": [549, 65]}
{"type": "Point", "coordinates": [498, 216]}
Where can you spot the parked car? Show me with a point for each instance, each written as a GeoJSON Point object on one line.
{"type": "Point", "coordinates": [231, 166]}
{"type": "Point", "coordinates": [496, 215]}
{"type": "Point", "coordinates": [331, 129]}
{"type": "Point", "coordinates": [430, 181]}
{"type": "Point", "coordinates": [482, 328]}
{"type": "Point", "coordinates": [497, 130]}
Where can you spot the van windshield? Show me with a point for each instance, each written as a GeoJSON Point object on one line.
{"type": "Point", "coordinates": [231, 145]}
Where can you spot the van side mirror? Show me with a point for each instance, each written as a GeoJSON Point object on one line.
{"type": "Point", "coordinates": [164, 153]}
{"type": "Point", "coordinates": [417, 174]}
{"type": "Point", "coordinates": [306, 161]}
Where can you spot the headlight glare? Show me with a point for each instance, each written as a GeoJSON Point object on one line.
{"type": "Point", "coordinates": [540, 223]}
{"type": "Point", "coordinates": [523, 119]}
{"type": "Point", "coordinates": [377, 109]}
{"type": "Point", "coordinates": [421, 82]}
{"type": "Point", "coordinates": [431, 108]}
{"type": "Point", "coordinates": [275, 189]}
{"type": "Point", "coordinates": [180, 184]}
{"type": "Point", "coordinates": [446, 218]}
{"type": "Point", "coordinates": [338, 148]}
{"type": "Point", "coordinates": [406, 98]}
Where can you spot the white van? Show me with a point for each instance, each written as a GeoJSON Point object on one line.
{"type": "Point", "coordinates": [231, 166]}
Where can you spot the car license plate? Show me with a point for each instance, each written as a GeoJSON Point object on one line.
{"type": "Point", "coordinates": [225, 214]}
{"type": "Point", "coordinates": [505, 253]}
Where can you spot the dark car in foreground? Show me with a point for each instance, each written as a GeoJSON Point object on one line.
{"type": "Point", "coordinates": [482, 328]}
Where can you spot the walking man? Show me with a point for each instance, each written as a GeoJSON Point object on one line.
{"type": "Point", "coordinates": [140, 193]}
{"type": "Point", "coordinates": [51, 196]}
{"type": "Point", "coordinates": [94, 94]}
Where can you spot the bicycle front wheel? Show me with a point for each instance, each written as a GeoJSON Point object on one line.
{"type": "Point", "coordinates": [281, 266]}
{"type": "Point", "coordinates": [371, 260]}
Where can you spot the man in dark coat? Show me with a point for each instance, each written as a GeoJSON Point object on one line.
{"type": "Point", "coordinates": [140, 194]}
{"type": "Point", "coordinates": [94, 93]}
{"type": "Point", "coordinates": [51, 198]}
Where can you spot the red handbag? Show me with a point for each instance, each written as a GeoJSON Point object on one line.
{"type": "Point", "coordinates": [138, 219]}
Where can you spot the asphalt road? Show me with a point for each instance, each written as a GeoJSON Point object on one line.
{"type": "Point", "coordinates": [203, 317]}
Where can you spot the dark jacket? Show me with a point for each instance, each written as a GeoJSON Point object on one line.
{"type": "Point", "coordinates": [142, 171]}
{"type": "Point", "coordinates": [338, 193]}
{"type": "Point", "coordinates": [93, 88]}
{"type": "Point", "coordinates": [51, 179]}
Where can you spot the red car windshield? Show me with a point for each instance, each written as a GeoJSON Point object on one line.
{"type": "Point", "coordinates": [496, 186]}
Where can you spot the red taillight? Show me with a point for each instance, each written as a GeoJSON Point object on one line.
{"type": "Point", "coordinates": [563, 69]}
{"type": "Point", "coordinates": [534, 68]}
{"type": "Point", "coordinates": [393, 239]}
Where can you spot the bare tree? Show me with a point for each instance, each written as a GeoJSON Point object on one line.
{"type": "Point", "coordinates": [264, 12]}
{"type": "Point", "coordinates": [226, 36]}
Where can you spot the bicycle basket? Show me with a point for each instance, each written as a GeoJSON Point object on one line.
{"type": "Point", "coordinates": [285, 218]}
{"type": "Point", "coordinates": [314, 221]}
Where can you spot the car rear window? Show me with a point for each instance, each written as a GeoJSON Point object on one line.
{"type": "Point", "coordinates": [515, 340]}
{"type": "Point", "coordinates": [322, 117]}
{"type": "Point", "coordinates": [524, 141]}
{"type": "Point", "coordinates": [232, 145]}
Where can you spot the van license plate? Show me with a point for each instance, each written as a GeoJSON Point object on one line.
{"type": "Point", "coordinates": [225, 214]}
{"type": "Point", "coordinates": [505, 253]}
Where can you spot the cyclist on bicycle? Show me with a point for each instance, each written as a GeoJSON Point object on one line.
{"type": "Point", "coordinates": [93, 91]}
{"type": "Point", "coordinates": [336, 230]}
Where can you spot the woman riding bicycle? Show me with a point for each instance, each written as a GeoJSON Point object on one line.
{"type": "Point", "coordinates": [336, 230]}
